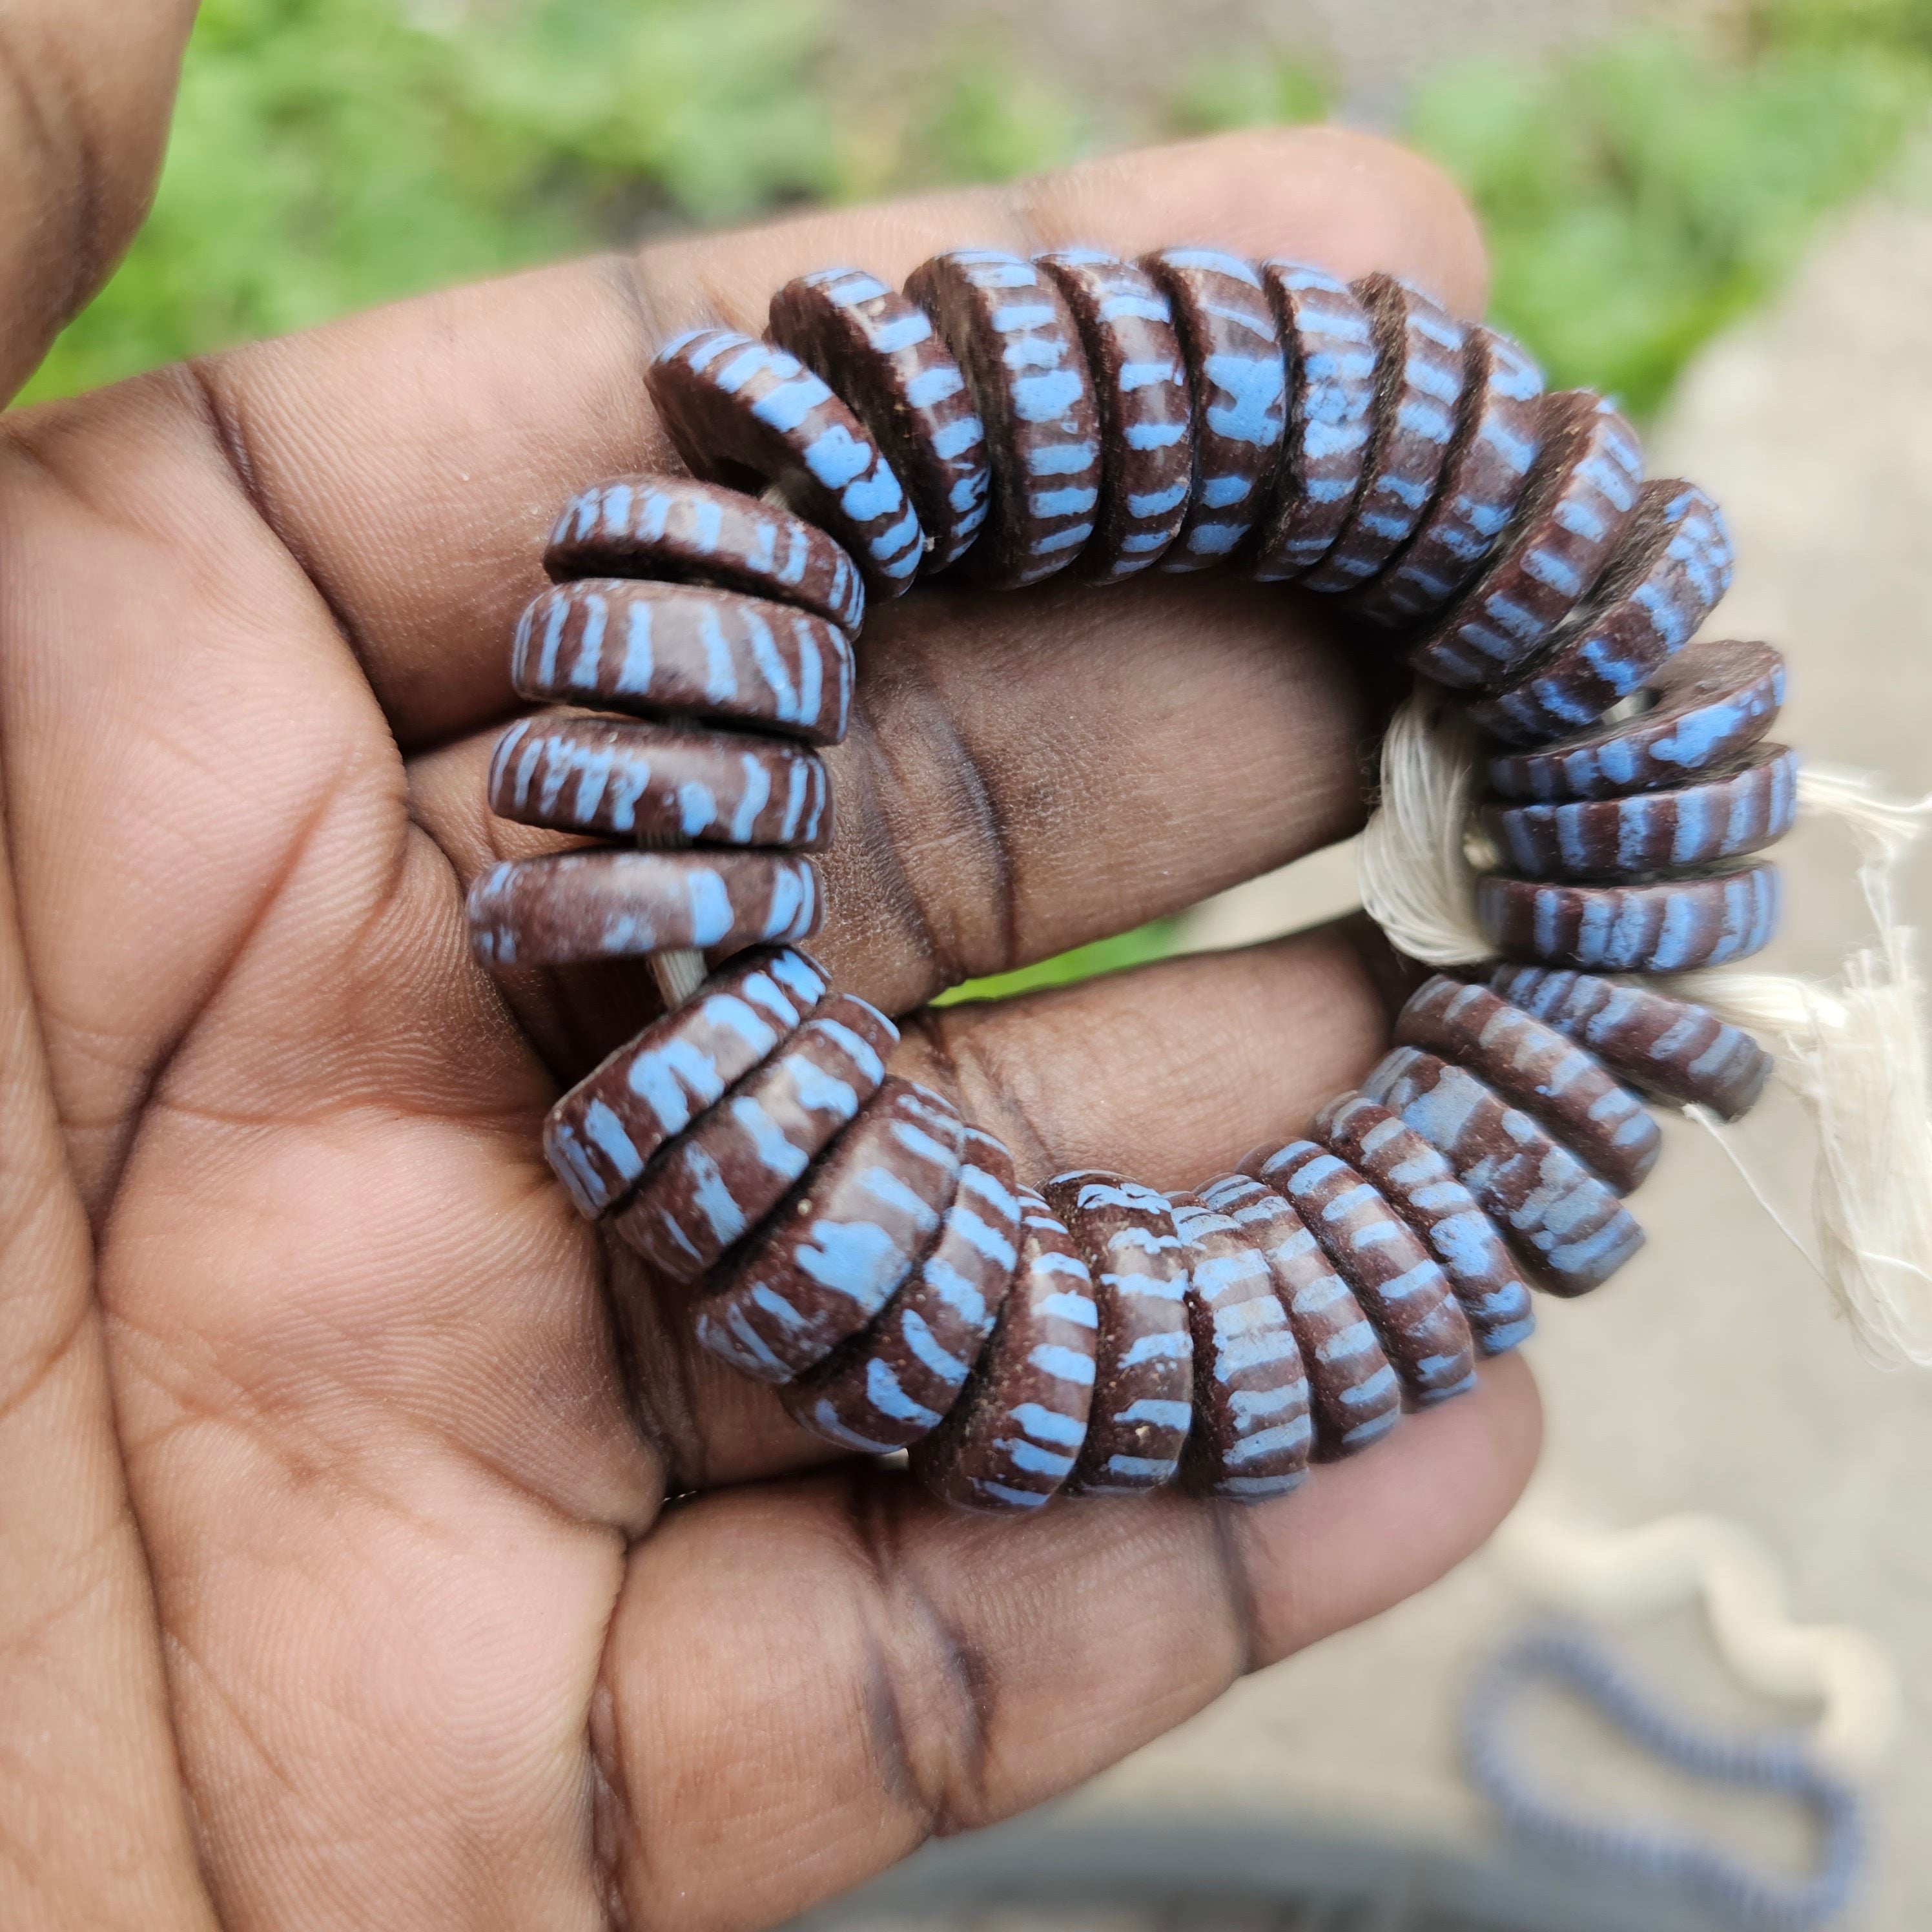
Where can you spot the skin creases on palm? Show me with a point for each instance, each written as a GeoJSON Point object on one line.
{"type": "Point", "coordinates": [339, 1585]}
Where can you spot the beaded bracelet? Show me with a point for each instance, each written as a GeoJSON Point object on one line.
{"type": "Point", "coordinates": [845, 1235]}
{"type": "Point", "coordinates": [1783, 1760]}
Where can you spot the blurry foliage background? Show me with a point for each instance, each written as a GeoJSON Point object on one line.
{"type": "Point", "coordinates": [330, 153]}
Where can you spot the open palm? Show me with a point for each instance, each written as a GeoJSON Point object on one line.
{"type": "Point", "coordinates": [338, 1581]}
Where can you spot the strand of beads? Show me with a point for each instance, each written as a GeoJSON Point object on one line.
{"type": "Point", "coordinates": [687, 608]}
{"type": "Point", "coordinates": [843, 1234]}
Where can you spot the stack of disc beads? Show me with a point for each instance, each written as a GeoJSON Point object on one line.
{"type": "Point", "coordinates": [842, 1233]}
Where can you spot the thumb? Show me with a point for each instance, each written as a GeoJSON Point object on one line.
{"type": "Point", "coordinates": [88, 87]}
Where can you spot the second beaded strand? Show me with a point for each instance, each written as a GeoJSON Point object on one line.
{"type": "Point", "coordinates": [853, 1240]}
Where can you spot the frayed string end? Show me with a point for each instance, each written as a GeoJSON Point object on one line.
{"type": "Point", "coordinates": [1854, 1050]}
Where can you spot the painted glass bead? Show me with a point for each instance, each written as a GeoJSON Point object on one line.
{"type": "Point", "coordinates": [1252, 1433]}
{"type": "Point", "coordinates": [732, 1165]}
{"type": "Point", "coordinates": [831, 1255]}
{"type": "Point", "coordinates": [1010, 1442]}
{"type": "Point", "coordinates": [1668, 925]}
{"type": "Point", "coordinates": [1420, 351]}
{"type": "Point", "coordinates": [660, 785]}
{"type": "Point", "coordinates": [1566, 1226]}
{"type": "Point", "coordinates": [1009, 326]}
{"type": "Point", "coordinates": [1331, 392]}
{"type": "Point", "coordinates": [1146, 416]}
{"type": "Point", "coordinates": [685, 532]}
{"type": "Point", "coordinates": [1416, 1181]}
{"type": "Point", "coordinates": [1237, 380]}
{"type": "Point", "coordinates": [574, 906]}
{"type": "Point", "coordinates": [1663, 1045]}
{"type": "Point", "coordinates": [1143, 1377]}
{"type": "Point", "coordinates": [882, 357]}
{"type": "Point", "coordinates": [599, 1137]}
{"type": "Point", "coordinates": [1402, 1290]}
{"type": "Point", "coordinates": [1713, 702]}
{"type": "Point", "coordinates": [1534, 1067]}
{"type": "Point", "coordinates": [895, 1381]}
{"type": "Point", "coordinates": [1497, 437]}
{"type": "Point", "coordinates": [741, 410]}
{"type": "Point", "coordinates": [656, 648]}
{"type": "Point", "coordinates": [1671, 567]}
{"type": "Point", "coordinates": [1353, 1396]}
{"type": "Point", "coordinates": [1580, 493]}
{"type": "Point", "coordinates": [1724, 816]}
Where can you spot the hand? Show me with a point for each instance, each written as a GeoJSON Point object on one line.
{"type": "Point", "coordinates": [337, 1583]}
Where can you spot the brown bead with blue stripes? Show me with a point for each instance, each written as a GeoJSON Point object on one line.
{"type": "Point", "coordinates": [1665, 1045]}
{"type": "Point", "coordinates": [1417, 1183]}
{"type": "Point", "coordinates": [1497, 434]}
{"type": "Point", "coordinates": [1666, 925]}
{"type": "Point", "coordinates": [896, 1382]}
{"type": "Point", "coordinates": [1353, 1396]}
{"type": "Point", "coordinates": [572, 908]}
{"type": "Point", "coordinates": [881, 355]}
{"type": "Point", "coordinates": [726, 1171]}
{"type": "Point", "coordinates": [1010, 330]}
{"type": "Point", "coordinates": [1011, 1441]}
{"type": "Point", "coordinates": [824, 1262]}
{"type": "Point", "coordinates": [678, 530]}
{"type": "Point", "coordinates": [1533, 1066]}
{"type": "Point", "coordinates": [1709, 705]}
{"type": "Point", "coordinates": [1670, 568]}
{"type": "Point", "coordinates": [1252, 1433]}
{"type": "Point", "coordinates": [1146, 414]}
{"type": "Point", "coordinates": [1580, 492]}
{"type": "Point", "coordinates": [1143, 1375]}
{"type": "Point", "coordinates": [1237, 376]}
{"type": "Point", "coordinates": [660, 785]}
{"type": "Point", "coordinates": [1420, 355]}
{"type": "Point", "coordinates": [599, 1137]}
{"type": "Point", "coordinates": [737, 408]}
{"type": "Point", "coordinates": [1724, 815]}
{"type": "Point", "coordinates": [686, 650]}
{"type": "Point", "coordinates": [1401, 1288]}
{"type": "Point", "coordinates": [1565, 1224]}
{"type": "Point", "coordinates": [1331, 394]}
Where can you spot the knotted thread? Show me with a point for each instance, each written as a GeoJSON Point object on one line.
{"type": "Point", "coordinates": [1414, 863]}
{"type": "Point", "coordinates": [1853, 1050]}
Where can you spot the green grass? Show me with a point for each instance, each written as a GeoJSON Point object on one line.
{"type": "Point", "coordinates": [1640, 198]}
{"type": "Point", "coordinates": [327, 154]}
{"type": "Point", "coordinates": [1154, 941]}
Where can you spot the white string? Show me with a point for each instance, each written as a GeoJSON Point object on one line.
{"type": "Point", "coordinates": [1413, 864]}
{"type": "Point", "coordinates": [680, 971]}
{"type": "Point", "coordinates": [1615, 1574]}
{"type": "Point", "coordinates": [1853, 1051]}
{"type": "Point", "coordinates": [1708, 1121]}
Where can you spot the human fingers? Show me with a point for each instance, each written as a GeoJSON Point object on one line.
{"type": "Point", "coordinates": [89, 85]}
{"type": "Point", "coordinates": [1022, 775]}
{"type": "Point", "coordinates": [413, 459]}
{"type": "Point", "coordinates": [93, 1829]}
{"type": "Point", "coordinates": [1154, 1071]}
{"type": "Point", "coordinates": [856, 1668]}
